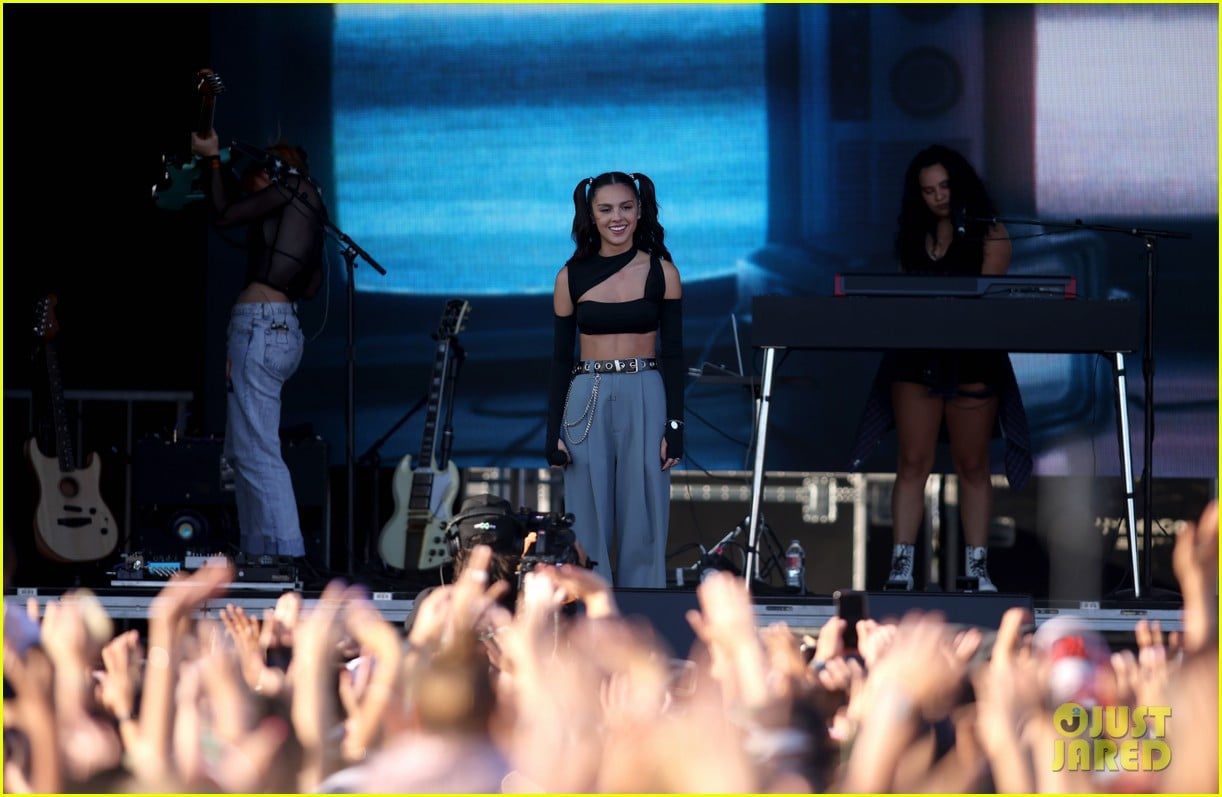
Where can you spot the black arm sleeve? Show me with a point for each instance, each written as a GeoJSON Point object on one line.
{"type": "Point", "coordinates": [564, 343]}
{"type": "Point", "coordinates": [670, 344]}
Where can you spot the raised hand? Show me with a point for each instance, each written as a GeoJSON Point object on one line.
{"type": "Point", "coordinates": [588, 587]}
{"type": "Point", "coordinates": [432, 618]}
{"type": "Point", "coordinates": [925, 663]}
{"type": "Point", "coordinates": [177, 600]}
{"type": "Point", "coordinates": [726, 624]}
{"type": "Point", "coordinates": [920, 677]}
{"type": "Point", "coordinates": [472, 594]}
{"type": "Point", "coordinates": [785, 657]}
{"type": "Point", "coordinates": [248, 638]}
{"type": "Point", "coordinates": [88, 745]}
{"type": "Point", "coordinates": [830, 643]}
{"type": "Point", "coordinates": [31, 709]}
{"type": "Point", "coordinates": [1154, 673]}
{"type": "Point", "coordinates": [122, 658]}
{"type": "Point", "coordinates": [382, 693]}
{"type": "Point", "coordinates": [64, 637]}
{"type": "Point", "coordinates": [874, 640]}
{"type": "Point", "coordinates": [315, 709]}
{"type": "Point", "coordinates": [1195, 561]}
{"type": "Point", "coordinates": [279, 621]}
{"type": "Point", "coordinates": [1006, 694]}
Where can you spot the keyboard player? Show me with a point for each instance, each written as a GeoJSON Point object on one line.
{"type": "Point", "coordinates": [963, 396]}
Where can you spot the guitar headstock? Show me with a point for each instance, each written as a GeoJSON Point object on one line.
{"type": "Point", "coordinates": [46, 325]}
{"type": "Point", "coordinates": [210, 84]}
{"type": "Point", "coordinates": [453, 318]}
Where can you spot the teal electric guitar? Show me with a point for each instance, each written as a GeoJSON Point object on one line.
{"type": "Point", "coordinates": [179, 184]}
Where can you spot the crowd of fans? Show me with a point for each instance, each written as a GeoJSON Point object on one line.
{"type": "Point", "coordinates": [562, 694]}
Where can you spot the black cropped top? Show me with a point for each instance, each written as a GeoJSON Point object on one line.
{"type": "Point", "coordinates": [609, 318]}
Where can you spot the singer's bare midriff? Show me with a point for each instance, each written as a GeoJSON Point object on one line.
{"type": "Point", "coordinates": [261, 293]}
{"type": "Point", "coordinates": [619, 346]}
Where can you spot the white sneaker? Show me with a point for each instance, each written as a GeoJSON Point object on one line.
{"type": "Point", "coordinates": [977, 567]}
{"type": "Point", "coordinates": [901, 566]}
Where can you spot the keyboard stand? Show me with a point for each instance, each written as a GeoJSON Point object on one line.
{"type": "Point", "coordinates": [751, 569]}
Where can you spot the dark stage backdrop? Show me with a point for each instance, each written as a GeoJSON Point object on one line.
{"type": "Point", "coordinates": [448, 139]}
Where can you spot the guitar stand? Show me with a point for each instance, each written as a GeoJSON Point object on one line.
{"type": "Point", "coordinates": [371, 454]}
{"type": "Point", "coordinates": [710, 559]}
{"type": "Point", "coordinates": [373, 458]}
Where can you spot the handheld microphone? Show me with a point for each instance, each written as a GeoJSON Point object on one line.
{"type": "Point", "coordinates": [958, 216]}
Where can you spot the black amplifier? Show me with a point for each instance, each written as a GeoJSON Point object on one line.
{"type": "Point", "coordinates": [183, 499]}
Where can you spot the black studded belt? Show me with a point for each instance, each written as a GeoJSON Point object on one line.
{"type": "Point", "coordinates": [630, 366]}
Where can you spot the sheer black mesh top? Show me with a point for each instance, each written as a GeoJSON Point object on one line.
{"type": "Point", "coordinates": [285, 232]}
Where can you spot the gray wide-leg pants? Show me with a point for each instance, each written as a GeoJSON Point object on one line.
{"type": "Point", "coordinates": [615, 486]}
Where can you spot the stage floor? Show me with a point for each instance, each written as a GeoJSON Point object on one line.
{"type": "Point", "coordinates": [665, 609]}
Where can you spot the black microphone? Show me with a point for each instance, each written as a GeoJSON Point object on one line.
{"type": "Point", "coordinates": [958, 217]}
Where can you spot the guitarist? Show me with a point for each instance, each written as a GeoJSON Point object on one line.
{"type": "Point", "coordinates": [285, 219]}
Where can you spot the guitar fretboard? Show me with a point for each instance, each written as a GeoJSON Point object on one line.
{"type": "Point", "coordinates": [59, 413]}
{"type": "Point", "coordinates": [422, 486]}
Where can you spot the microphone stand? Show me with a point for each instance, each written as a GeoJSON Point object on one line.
{"type": "Point", "coordinates": [1150, 239]}
{"type": "Point", "coordinates": [350, 253]}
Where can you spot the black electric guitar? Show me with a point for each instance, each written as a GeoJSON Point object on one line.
{"type": "Point", "coordinates": [71, 523]}
{"type": "Point", "coordinates": [179, 184]}
{"type": "Point", "coordinates": [425, 490]}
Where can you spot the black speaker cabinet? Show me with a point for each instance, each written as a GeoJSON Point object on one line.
{"type": "Point", "coordinates": [182, 492]}
{"type": "Point", "coordinates": [665, 611]}
{"type": "Point", "coordinates": [981, 609]}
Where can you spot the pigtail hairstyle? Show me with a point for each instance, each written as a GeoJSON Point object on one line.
{"type": "Point", "coordinates": [584, 234]}
{"type": "Point", "coordinates": [649, 235]}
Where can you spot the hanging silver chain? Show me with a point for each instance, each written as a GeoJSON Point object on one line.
{"type": "Point", "coordinates": [587, 413]}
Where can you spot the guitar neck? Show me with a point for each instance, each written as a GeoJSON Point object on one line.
{"type": "Point", "coordinates": [207, 107]}
{"type": "Point", "coordinates": [428, 443]}
{"type": "Point", "coordinates": [59, 413]}
{"type": "Point", "coordinates": [209, 87]}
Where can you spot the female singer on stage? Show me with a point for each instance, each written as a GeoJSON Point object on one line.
{"type": "Point", "coordinates": [615, 412]}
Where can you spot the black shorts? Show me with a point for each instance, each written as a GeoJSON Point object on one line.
{"type": "Point", "coordinates": [943, 371]}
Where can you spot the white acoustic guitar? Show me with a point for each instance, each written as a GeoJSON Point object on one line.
{"type": "Point", "coordinates": [424, 490]}
{"type": "Point", "coordinates": [71, 523]}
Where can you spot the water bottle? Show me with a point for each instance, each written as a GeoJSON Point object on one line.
{"type": "Point", "coordinates": [795, 567]}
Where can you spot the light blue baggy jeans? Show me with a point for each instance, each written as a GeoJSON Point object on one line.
{"type": "Point", "coordinates": [264, 343]}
